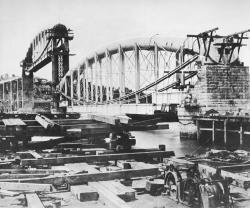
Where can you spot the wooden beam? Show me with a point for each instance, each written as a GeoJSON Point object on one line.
{"type": "Point", "coordinates": [35, 171]}
{"type": "Point", "coordinates": [8, 193]}
{"type": "Point", "coordinates": [46, 122]}
{"type": "Point", "coordinates": [124, 192]}
{"type": "Point", "coordinates": [213, 132]}
{"type": "Point", "coordinates": [239, 167]}
{"type": "Point", "coordinates": [33, 201]}
{"type": "Point", "coordinates": [109, 197]}
{"type": "Point", "coordinates": [137, 72]}
{"type": "Point", "coordinates": [15, 186]}
{"type": "Point", "coordinates": [241, 134]}
{"type": "Point", "coordinates": [78, 179]}
{"type": "Point", "coordinates": [97, 158]}
{"type": "Point", "coordinates": [198, 131]}
{"type": "Point", "coordinates": [79, 167]}
{"type": "Point", "coordinates": [225, 131]}
{"type": "Point", "coordinates": [13, 122]}
{"type": "Point", "coordinates": [29, 153]}
{"type": "Point", "coordinates": [19, 176]}
{"type": "Point", "coordinates": [84, 193]}
{"type": "Point", "coordinates": [104, 118]}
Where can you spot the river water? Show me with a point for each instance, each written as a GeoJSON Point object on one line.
{"type": "Point", "coordinates": [169, 137]}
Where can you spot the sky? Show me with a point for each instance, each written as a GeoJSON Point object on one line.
{"type": "Point", "coordinates": [97, 23]}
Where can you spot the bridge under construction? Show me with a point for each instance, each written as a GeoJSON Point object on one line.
{"type": "Point", "coordinates": [199, 81]}
{"type": "Point", "coordinates": [134, 76]}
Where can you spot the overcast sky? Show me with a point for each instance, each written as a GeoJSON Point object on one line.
{"type": "Point", "coordinates": [97, 23]}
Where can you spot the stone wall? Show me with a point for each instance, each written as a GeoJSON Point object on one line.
{"type": "Point", "coordinates": [223, 88]}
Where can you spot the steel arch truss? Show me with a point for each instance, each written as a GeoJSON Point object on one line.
{"type": "Point", "coordinates": [115, 73]}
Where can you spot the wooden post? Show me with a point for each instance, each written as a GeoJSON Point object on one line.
{"type": "Point", "coordinates": [137, 72]}
{"type": "Point", "coordinates": [3, 91]}
{"type": "Point", "coordinates": [25, 142]}
{"type": "Point", "coordinates": [225, 131]}
{"type": "Point", "coordinates": [100, 78]}
{"type": "Point", "coordinates": [96, 79]}
{"type": "Point", "coordinates": [84, 84]}
{"type": "Point", "coordinates": [87, 79]}
{"type": "Point", "coordinates": [3, 102]}
{"type": "Point", "coordinates": [241, 134]}
{"type": "Point", "coordinates": [121, 72]}
{"type": "Point", "coordinates": [17, 95]}
{"type": "Point", "coordinates": [1, 98]}
{"type": "Point", "coordinates": [11, 96]}
{"type": "Point", "coordinates": [71, 88]}
{"type": "Point", "coordinates": [21, 94]}
{"type": "Point", "coordinates": [92, 83]}
{"type": "Point", "coordinates": [177, 63]}
{"type": "Point", "coordinates": [213, 132]}
{"type": "Point", "coordinates": [156, 68]}
{"type": "Point", "coordinates": [78, 85]}
{"type": "Point", "coordinates": [110, 73]}
{"type": "Point", "coordinates": [198, 131]}
{"type": "Point", "coordinates": [66, 88]}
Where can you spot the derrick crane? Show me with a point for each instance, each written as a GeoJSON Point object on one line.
{"type": "Point", "coordinates": [217, 49]}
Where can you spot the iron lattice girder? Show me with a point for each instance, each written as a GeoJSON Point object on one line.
{"type": "Point", "coordinates": [45, 44]}
{"type": "Point", "coordinates": [108, 56]}
{"type": "Point", "coordinates": [171, 45]}
{"type": "Point", "coordinates": [177, 69]}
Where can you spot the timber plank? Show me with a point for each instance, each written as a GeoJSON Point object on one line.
{"type": "Point", "coordinates": [238, 167]}
{"type": "Point", "coordinates": [13, 122]}
{"type": "Point", "coordinates": [79, 167]}
{"type": "Point", "coordinates": [84, 193]}
{"type": "Point", "coordinates": [96, 158]}
{"type": "Point", "coordinates": [45, 122]}
{"type": "Point", "coordinates": [14, 186]}
{"type": "Point", "coordinates": [28, 171]}
{"type": "Point", "coordinates": [109, 197]}
{"type": "Point", "coordinates": [124, 192]}
{"type": "Point", "coordinates": [33, 201]}
{"type": "Point", "coordinates": [19, 176]}
{"type": "Point", "coordinates": [8, 193]}
{"type": "Point", "coordinates": [78, 179]}
{"type": "Point", "coordinates": [104, 118]}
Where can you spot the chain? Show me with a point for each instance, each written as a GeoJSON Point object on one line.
{"type": "Point", "coordinates": [60, 67]}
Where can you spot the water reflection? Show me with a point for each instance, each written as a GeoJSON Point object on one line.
{"type": "Point", "coordinates": [169, 137]}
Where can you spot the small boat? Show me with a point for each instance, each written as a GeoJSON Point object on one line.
{"type": "Point", "coordinates": [164, 115]}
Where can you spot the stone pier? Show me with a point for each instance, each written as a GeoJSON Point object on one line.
{"type": "Point", "coordinates": [219, 88]}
